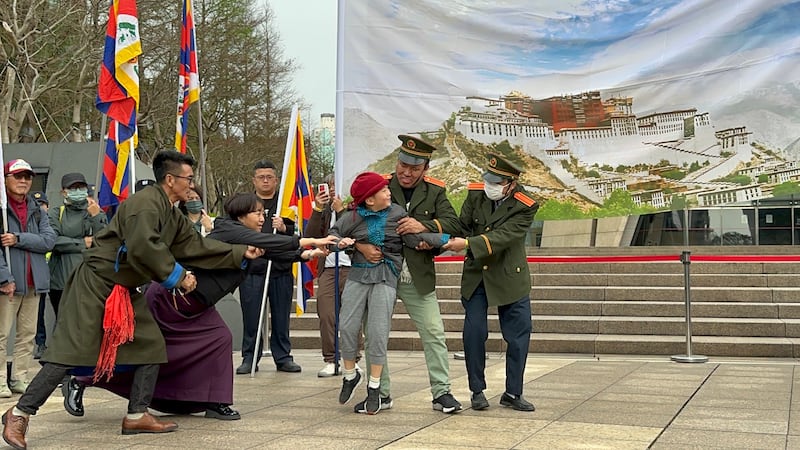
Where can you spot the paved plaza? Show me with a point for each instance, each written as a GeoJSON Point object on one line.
{"type": "Point", "coordinates": [581, 402]}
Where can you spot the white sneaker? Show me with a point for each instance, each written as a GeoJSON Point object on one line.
{"type": "Point", "coordinates": [5, 392]}
{"type": "Point", "coordinates": [328, 371]}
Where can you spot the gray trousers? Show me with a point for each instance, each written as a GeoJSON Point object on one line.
{"type": "Point", "coordinates": [376, 302]}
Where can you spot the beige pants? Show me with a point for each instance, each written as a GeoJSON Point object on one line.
{"type": "Point", "coordinates": [24, 309]}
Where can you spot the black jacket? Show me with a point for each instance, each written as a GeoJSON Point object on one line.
{"type": "Point", "coordinates": [212, 285]}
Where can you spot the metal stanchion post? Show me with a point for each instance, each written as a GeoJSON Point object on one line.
{"type": "Point", "coordinates": [688, 357]}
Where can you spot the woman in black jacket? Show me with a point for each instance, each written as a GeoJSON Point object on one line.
{"type": "Point", "coordinates": [199, 373]}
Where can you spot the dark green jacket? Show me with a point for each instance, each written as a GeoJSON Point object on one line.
{"type": "Point", "coordinates": [430, 206]}
{"type": "Point", "coordinates": [496, 252]}
{"type": "Point", "coordinates": [71, 226]}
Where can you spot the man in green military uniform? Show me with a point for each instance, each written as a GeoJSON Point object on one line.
{"type": "Point", "coordinates": [495, 218]}
{"type": "Point", "coordinates": [429, 210]}
{"type": "Point", "coordinates": [147, 239]}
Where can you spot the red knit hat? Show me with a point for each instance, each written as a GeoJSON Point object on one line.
{"type": "Point", "coordinates": [365, 185]}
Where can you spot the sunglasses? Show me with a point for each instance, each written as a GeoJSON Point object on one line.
{"type": "Point", "coordinates": [21, 175]}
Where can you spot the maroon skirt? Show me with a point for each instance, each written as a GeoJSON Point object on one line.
{"type": "Point", "coordinates": [199, 369]}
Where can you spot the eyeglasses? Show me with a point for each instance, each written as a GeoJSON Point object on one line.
{"type": "Point", "coordinates": [265, 177]}
{"type": "Point", "coordinates": [21, 176]}
{"type": "Point", "coordinates": [190, 178]}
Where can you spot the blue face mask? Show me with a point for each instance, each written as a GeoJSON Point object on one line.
{"type": "Point", "coordinates": [77, 196]}
{"type": "Point", "coordinates": [194, 206]}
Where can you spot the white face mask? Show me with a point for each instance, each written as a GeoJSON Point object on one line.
{"type": "Point", "coordinates": [493, 191]}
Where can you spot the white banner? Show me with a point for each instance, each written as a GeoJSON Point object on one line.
{"type": "Point", "coordinates": [609, 84]}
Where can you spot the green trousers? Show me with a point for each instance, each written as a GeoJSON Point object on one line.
{"type": "Point", "coordinates": [424, 311]}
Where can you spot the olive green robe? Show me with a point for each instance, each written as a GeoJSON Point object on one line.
{"type": "Point", "coordinates": [159, 240]}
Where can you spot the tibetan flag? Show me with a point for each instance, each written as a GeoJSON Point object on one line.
{"type": "Point", "coordinates": [118, 98]}
{"type": "Point", "coordinates": [296, 205]}
{"type": "Point", "coordinates": [188, 77]}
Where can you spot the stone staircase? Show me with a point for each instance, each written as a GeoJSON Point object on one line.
{"type": "Point", "coordinates": [738, 309]}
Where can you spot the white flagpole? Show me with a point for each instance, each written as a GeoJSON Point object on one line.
{"type": "Point", "coordinates": [203, 176]}
{"type": "Point", "coordinates": [4, 201]}
{"type": "Point", "coordinates": [338, 159]}
{"type": "Point", "coordinates": [338, 153]}
{"type": "Point", "coordinates": [132, 162]}
{"type": "Point", "coordinates": [101, 158]}
{"type": "Point", "coordinates": [289, 140]}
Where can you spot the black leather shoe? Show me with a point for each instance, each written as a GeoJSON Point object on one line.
{"type": "Point", "coordinates": [222, 412]}
{"type": "Point", "coordinates": [479, 401]}
{"type": "Point", "coordinates": [73, 396]}
{"type": "Point", "coordinates": [516, 402]}
{"type": "Point", "coordinates": [245, 368]}
{"type": "Point", "coordinates": [289, 366]}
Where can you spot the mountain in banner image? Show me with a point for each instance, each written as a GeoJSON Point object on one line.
{"type": "Point", "coordinates": [459, 161]}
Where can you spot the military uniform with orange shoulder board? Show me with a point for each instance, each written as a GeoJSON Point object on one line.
{"type": "Point", "coordinates": [496, 274]}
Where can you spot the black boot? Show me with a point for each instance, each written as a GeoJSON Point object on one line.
{"type": "Point", "coordinates": [73, 396]}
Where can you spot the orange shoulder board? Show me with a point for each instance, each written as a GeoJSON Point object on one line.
{"type": "Point", "coordinates": [434, 181]}
{"type": "Point", "coordinates": [387, 176]}
{"type": "Point", "coordinates": [524, 199]}
{"type": "Point", "coordinates": [475, 186]}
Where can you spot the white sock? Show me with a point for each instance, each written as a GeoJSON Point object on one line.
{"type": "Point", "coordinates": [134, 416]}
{"type": "Point", "coordinates": [374, 383]}
{"type": "Point", "coordinates": [17, 412]}
{"type": "Point", "coordinates": [350, 374]}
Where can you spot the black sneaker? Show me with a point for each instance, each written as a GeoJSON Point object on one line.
{"type": "Point", "coordinates": [386, 403]}
{"type": "Point", "coordinates": [516, 402]}
{"type": "Point", "coordinates": [446, 403]}
{"type": "Point", "coordinates": [349, 388]}
{"type": "Point", "coordinates": [373, 402]}
{"type": "Point", "coordinates": [479, 401]}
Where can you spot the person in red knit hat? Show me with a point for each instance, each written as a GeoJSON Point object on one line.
{"type": "Point", "coordinates": [371, 286]}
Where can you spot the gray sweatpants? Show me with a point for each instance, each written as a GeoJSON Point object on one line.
{"type": "Point", "coordinates": [377, 302]}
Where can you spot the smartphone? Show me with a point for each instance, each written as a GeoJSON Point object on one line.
{"type": "Point", "coordinates": [322, 188]}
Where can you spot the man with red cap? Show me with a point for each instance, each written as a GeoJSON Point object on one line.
{"type": "Point", "coordinates": [29, 236]}
{"type": "Point", "coordinates": [371, 285]}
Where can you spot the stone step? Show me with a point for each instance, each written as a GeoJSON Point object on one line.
{"type": "Point", "coordinates": [665, 309]}
{"type": "Point", "coordinates": [701, 326]}
{"type": "Point", "coordinates": [595, 344]}
{"type": "Point", "coordinates": [629, 279]}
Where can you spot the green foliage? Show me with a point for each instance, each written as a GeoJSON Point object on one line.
{"type": "Point", "coordinates": [606, 168]}
{"type": "Point", "coordinates": [663, 163]}
{"type": "Point", "coordinates": [457, 199]}
{"type": "Point", "coordinates": [622, 168]}
{"type": "Point", "coordinates": [725, 154]}
{"type": "Point", "coordinates": [763, 178]}
{"type": "Point", "coordinates": [557, 210]}
{"type": "Point", "coordinates": [695, 166]}
{"type": "Point", "coordinates": [742, 180]}
{"type": "Point", "coordinates": [592, 174]}
{"type": "Point", "coordinates": [674, 174]}
{"type": "Point", "coordinates": [786, 189]}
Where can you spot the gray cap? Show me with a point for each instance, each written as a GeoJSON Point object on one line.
{"type": "Point", "coordinates": [73, 178]}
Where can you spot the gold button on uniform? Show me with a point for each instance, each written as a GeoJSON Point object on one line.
{"type": "Point", "coordinates": [485, 267]}
{"type": "Point", "coordinates": [488, 228]}
{"type": "Point", "coordinates": [517, 269]}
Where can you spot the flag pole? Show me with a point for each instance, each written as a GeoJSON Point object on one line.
{"type": "Point", "coordinates": [101, 157]}
{"type": "Point", "coordinates": [4, 201]}
{"type": "Point", "coordinates": [338, 157]}
{"type": "Point", "coordinates": [287, 154]}
{"type": "Point", "coordinates": [132, 162]}
{"type": "Point", "coordinates": [203, 176]}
